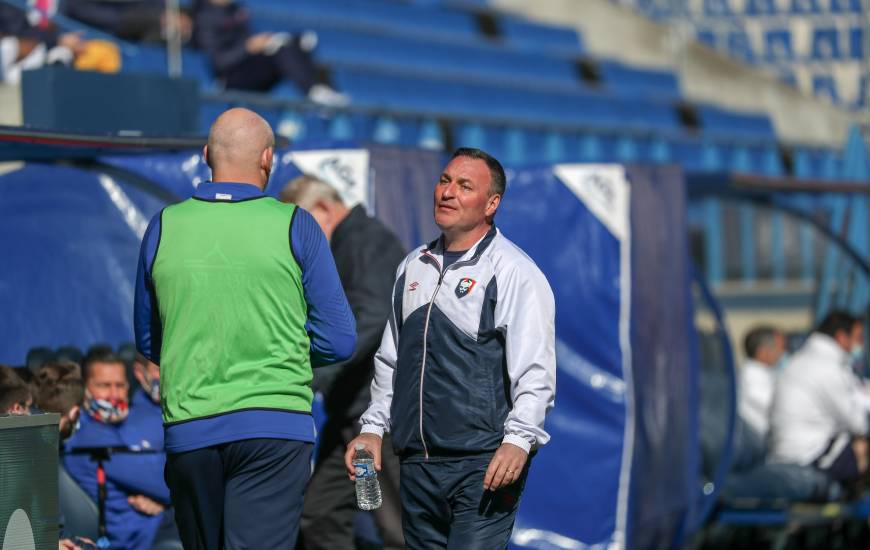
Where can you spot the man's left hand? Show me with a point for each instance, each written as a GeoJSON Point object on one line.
{"type": "Point", "coordinates": [145, 505]}
{"type": "Point", "coordinates": [505, 467]}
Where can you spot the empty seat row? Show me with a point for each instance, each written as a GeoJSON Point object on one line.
{"type": "Point", "coordinates": [773, 7]}
{"type": "Point", "coordinates": [521, 145]}
{"type": "Point", "coordinates": [371, 14]}
{"type": "Point", "coordinates": [460, 99]}
{"type": "Point", "coordinates": [779, 43]}
{"type": "Point", "coordinates": [715, 121]}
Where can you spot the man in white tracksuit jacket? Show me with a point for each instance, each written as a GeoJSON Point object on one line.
{"type": "Point", "coordinates": [466, 371]}
{"type": "Point", "coordinates": [819, 416]}
{"type": "Point", "coordinates": [764, 346]}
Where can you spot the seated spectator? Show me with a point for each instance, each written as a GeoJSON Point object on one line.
{"type": "Point", "coordinates": [764, 347]}
{"type": "Point", "coordinates": [817, 417]}
{"type": "Point", "coordinates": [58, 388]}
{"type": "Point", "coordinates": [14, 394]}
{"type": "Point", "coordinates": [135, 20]}
{"type": "Point", "coordinates": [26, 46]}
{"type": "Point", "coordinates": [136, 493]}
{"type": "Point", "coordinates": [257, 62]}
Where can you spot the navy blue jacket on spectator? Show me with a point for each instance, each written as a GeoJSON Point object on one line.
{"type": "Point", "coordinates": [222, 31]}
{"type": "Point", "coordinates": [14, 22]}
{"type": "Point", "coordinates": [127, 474]}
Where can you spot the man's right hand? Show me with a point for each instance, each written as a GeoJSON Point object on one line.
{"type": "Point", "coordinates": [372, 444]}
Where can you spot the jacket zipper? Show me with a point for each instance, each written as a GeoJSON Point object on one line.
{"type": "Point", "coordinates": [425, 346]}
{"type": "Point", "coordinates": [441, 273]}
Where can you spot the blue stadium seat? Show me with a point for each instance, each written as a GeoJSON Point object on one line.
{"type": "Point", "coordinates": [845, 6]}
{"type": "Point", "coordinates": [372, 14]}
{"type": "Point", "coordinates": [470, 134]}
{"type": "Point", "coordinates": [627, 149]}
{"type": "Point", "coordinates": [787, 76]}
{"type": "Point", "coordinates": [286, 90]}
{"type": "Point", "coordinates": [856, 43]}
{"type": "Point", "coordinates": [778, 44]}
{"type": "Point", "coordinates": [802, 165]}
{"type": "Point", "coordinates": [476, 61]}
{"type": "Point", "coordinates": [824, 85]}
{"type": "Point", "coordinates": [555, 147]}
{"type": "Point", "coordinates": [434, 96]}
{"type": "Point", "coordinates": [740, 47]}
{"type": "Point", "coordinates": [591, 148]}
{"type": "Point", "coordinates": [805, 6]}
{"type": "Point", "coordinates": [863, 98]}
{"type": "Point", "coordinates": [431, 135]}
{"type": "Point", "coordinates": [146, 59]}
{"type": "Point", "coordinates": [539, 37]}
{"type": "Point", "coordinates": [708, 37]}
{"type": "Point", "coordinates": [689, 154]}
{"type": "Point", "coordinates": [767, 161]}
{"type": "Point", "coordinates": [826, 43]}
{"type": "Point", "coordinates": [628, 80]}
{"type": "Point", "coordinates": [660, 151]}
{"type": "Point", "coordinates": [761, 7]}
{"type": "Point", "coordinates": [719, 122]}
{"type": "Point", "coordinates": [717, 7]}
{"type": "Point", "coordinates": [741, 160]}
{"type": "Point", "coordinates": [656, 9]}
{"type": "Point", "coordinates": [153, 60]}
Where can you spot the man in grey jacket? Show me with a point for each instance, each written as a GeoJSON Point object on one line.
{"type": "Point", "coordinates": [366, 255]}
{"type": "Point", "coordinates": [466, 371]}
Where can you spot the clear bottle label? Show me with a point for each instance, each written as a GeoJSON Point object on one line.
{"type": "Point", "coordinates": [364, 470]}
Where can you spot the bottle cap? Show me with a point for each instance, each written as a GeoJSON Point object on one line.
{"type": "Point", "coordinates": [359, 447]}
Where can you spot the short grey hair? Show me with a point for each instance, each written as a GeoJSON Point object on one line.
{"type": "Point", "coordinates": [306, 190]}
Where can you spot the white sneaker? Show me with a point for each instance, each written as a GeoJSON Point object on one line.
{"type": "Point", "coordinates": [326, 96]}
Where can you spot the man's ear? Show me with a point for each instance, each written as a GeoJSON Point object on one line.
{"type": "Point", "coordinates": [266, 160]}
{"type": "Point", "coordinates": [492, 205]}
{"type": "Point", "coordinates": [205, 155]}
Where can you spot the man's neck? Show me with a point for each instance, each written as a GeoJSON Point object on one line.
{"type": "Point", "coordinates": [466, 239]}
{"type": "Point", "coordinates": [228, 177]}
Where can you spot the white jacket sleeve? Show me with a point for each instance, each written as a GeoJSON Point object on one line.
{"type": "Point", "coordinates": [841, 392]}
{"type": "Point", "coordinates": [526, 313]}
{"type": "Point", "coordinates": [376, 419]}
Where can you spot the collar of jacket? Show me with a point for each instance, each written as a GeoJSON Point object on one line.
{"type": "Point", "coordinates": [436, 248]}
{"type": "Point", "coordinates": [348, 225]}
{"type": "Point", "coordinates": [227, 191]}
{"type": "Point", "coordinates": [824, 345]}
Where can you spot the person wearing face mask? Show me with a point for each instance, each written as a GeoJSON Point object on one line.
{"type": "Point", "coordinates": [818, 417]}
{"type": "Point", "coordinates": [765, 350]}
{"type": "Point", "coordinates": [136, 494]}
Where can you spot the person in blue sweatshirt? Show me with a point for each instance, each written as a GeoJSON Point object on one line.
{"type": "Point", "coordinates": [136, 492]}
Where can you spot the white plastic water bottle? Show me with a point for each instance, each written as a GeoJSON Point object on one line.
{"type": "Point", "coordinates": [368, 490]}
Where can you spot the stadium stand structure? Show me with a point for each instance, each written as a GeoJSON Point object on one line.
{"type": "Point", "coordinates": [817, 45]}
{"type": "Point", "coordinates": [438, 75]}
